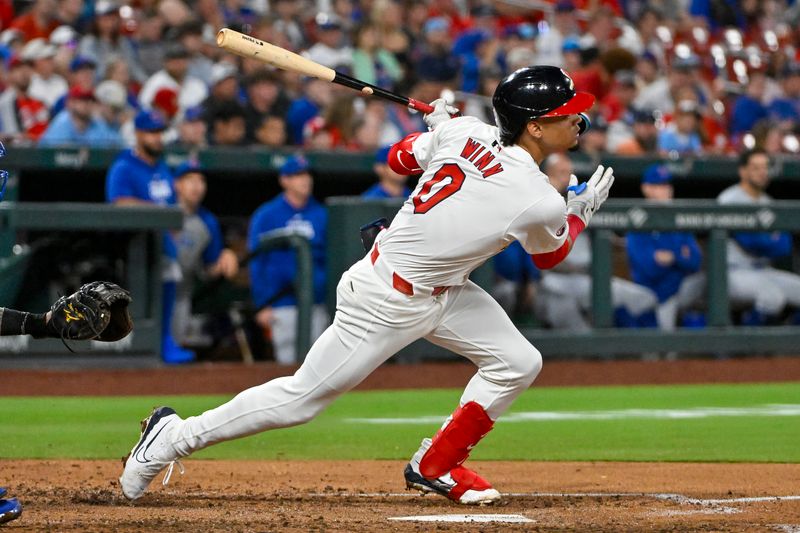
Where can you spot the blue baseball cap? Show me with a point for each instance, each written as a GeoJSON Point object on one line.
{"type": "Point", "coordinates": [295, 164]}
{"type": "Point", "coordinates": [150, 121]}
{"type": "Point", "coordinates": [436, 24]}
{"type": "Point", "coordinates": [657, 174]}
{"type": "Point", "coordinates": [187, 167]}
{"type": "Point", "coordinates": [193, 113]}
{"type": "Point", "coordinates": [80, 62]}
{"type": "Point", "coordinates": [382, 155]}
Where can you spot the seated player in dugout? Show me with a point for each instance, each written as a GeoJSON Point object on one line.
{"type": "Point", "coordinates": [201, 249]}
{"type": "Point", "coordinates": [390, 183]}
{"type": "Point", "coordinates": [481, 189]}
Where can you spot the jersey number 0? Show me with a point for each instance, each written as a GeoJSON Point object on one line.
{"type": "Point", "coordinates": [448, 170]}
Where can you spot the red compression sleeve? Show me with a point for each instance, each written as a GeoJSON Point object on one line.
{"type": "Point", "coordinates": [551, 259]}
{"type": "Point", "coordinates": [401, 156]}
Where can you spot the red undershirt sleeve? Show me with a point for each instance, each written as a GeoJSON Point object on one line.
{"type": "Point", "coordinates": [551, 259]}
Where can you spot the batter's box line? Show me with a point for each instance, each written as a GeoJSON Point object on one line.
{"type": "Point", "coordinates": [667, 496]}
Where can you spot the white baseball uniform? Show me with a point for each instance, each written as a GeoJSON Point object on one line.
{"type": "Point", "coordinates": [474, 198]}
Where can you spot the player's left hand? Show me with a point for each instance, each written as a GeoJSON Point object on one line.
{"type": "Point", "coordinates": [442, 112]}
{"type": "Point", "coordinates": [227, 265]}
{"type": "Point", "coordinates": [97, 310]}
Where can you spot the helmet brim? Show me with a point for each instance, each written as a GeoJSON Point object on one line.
{"type": "Point", "coordinates": [577, 104]}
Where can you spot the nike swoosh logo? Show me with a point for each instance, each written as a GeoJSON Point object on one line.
{"type": "Point", "coordinates": [144, 458]}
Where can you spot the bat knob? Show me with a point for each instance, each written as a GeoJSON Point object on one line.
{"type": "Point", "coordinates": [368, 91]}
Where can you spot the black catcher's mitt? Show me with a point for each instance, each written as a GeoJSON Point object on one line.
{"type": "Point", "coordinates": [97, 310]}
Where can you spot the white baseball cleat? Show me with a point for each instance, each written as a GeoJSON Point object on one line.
{"type": "Point", "coordinates": [151, 454]}
{"type": "Point", "coordinates": [461, 484]}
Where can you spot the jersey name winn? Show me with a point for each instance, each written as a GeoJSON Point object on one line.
{"type": "Point", "coordinates": [474, 198]}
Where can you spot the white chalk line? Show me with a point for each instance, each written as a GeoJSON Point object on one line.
{"type": "Point", "coordinates": [668, 496]}
{"type": "Point", "coordinates": [611, 414]}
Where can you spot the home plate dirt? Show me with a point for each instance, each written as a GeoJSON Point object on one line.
{"type": "Point", "coordinates": [352, 496]}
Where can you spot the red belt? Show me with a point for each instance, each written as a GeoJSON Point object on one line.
{"type": "Point", "coordinates": [399, 283]}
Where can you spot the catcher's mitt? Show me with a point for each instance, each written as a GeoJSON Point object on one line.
{"type": "Point", "coordinates": [97, 310]}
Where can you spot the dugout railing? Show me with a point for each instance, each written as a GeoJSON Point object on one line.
{"type": "Point", "coordinates": [709, 220]}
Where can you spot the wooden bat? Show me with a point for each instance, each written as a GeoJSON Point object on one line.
{"type": "Point", "coordinates": [247, 46]}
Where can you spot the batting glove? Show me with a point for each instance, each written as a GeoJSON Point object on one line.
{"type": "Point", "coordinates": [442, 112]}
{"type": "Point", "coordinates": [583, 200]}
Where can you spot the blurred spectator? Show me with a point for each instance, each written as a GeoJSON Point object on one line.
{"type": "Point", "coordinates": [748, 108]}
{"type": "Point", "coordinates": [786, 108]}
{"type": "Point", "coordinates": [564, 297]}
{"type": "Point", "coordinates": [77, 125]}
{"type": "Point", "coordinates": [265, 98]}
{"type": "Point", "coordinates": [38, 21]}
{"type": "Point", "coordinates": [139, 176]}
{"type": "Point", "coordinates": [480, 104]}
{"type": "Point", "coordinates": [470, 47]}
{"type": "Point", "coordinates": [226, 124]}
{"type": "Point", "coordinates": [317, 94]}
{"type": "Point", "coordinates": [65, 40]}
{"type": "Point", "coordinates": [435, 62]}
{"type": "Point", "coordinates": [150, 44]}
{"type": "Point", "coordinates": [335, 128]}
{"type": "Point", "coordinates": [519, 57]}
{"type": "Point", "coordinates": [571, 51]}
{"type": "Point", "coordinates": [390, 17]}
{"type": "Point", "coordinates": [516, 280]}
{"type": "Point", "coordinates": [550, 42]}
{"type": "Point", "coordinates": [201, 248]}
{"type": "Point", "coordinates": [272, 274]}
{"type": "Point", "coordinates": [70, 13]}
{"type": "Point", "coordinates": [81, 74]}
{"type": "Point", "coordinates": [288, 15]}
{"type": "Point", "coordinates": [112, 108]}
{"type": "Point", "coordinates": [635, 133]}
{"type": "Point", "coordinates": [666, 262]}
{"type": "Point", "coordinates": [272, 131]}
{"type": "Point", "coordinates": [191, 91]}
{"type": "Point", "coordinates": [331, 48]}
{"type": "Point", "coordinates": [682, 136]}
{"type": "Point", "coordinates": [621, 96]}
{"type": "Point", "coordinates": [751, 278]}
{"type": "Point", "coordinates": [22, 118]}
{"type": "Point", "coordinates": [105, 40]}
{"type": "Point", "coordinates": [117, 70]}
{"type": "Point", "coordinates": [593, 141]}
{"type": "Point", "coordinates": [190, 35]}
{"type": "Point", "coordinates": [46, 86]}
{"type": "Point", "coordinates": [660, 93]}
{"type": "Point", "coordinates": [192, 129]}
{"type": "Point", "coordinates": [378, 125]}
{"type": "Point", "coordinates": [11, 42]}
{"type": "Point", "coordinates": [223, 84]}
{"type": "Point", "coordinates": [165, 101]}
{"type": "Point", "coordinates": [390, 183]}
{"type": "Point", "coordinates": [371, 63]}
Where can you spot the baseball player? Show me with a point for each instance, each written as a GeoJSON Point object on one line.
{"type": "Point", "coordinates": [667, 262]}
{"type": "Point", "coordinates": [272, 274]}
{"type": "Point", "coordinates": [564, 299]}
{"type": "Point", "coordinates": [390, 183]}
{"type": "Point", "coordinates": [480, 190]}
{"type": "Point", "coordinates": [751, 278]}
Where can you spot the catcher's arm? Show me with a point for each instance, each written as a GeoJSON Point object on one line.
{"type": "Point", "coordinates": [97, 310]}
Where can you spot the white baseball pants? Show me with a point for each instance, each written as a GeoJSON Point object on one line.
{"type": "Point", "coordinates": [373, 321]}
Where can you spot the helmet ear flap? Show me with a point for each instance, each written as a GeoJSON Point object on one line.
{"type": "Point", "coordinates": [584, 124]}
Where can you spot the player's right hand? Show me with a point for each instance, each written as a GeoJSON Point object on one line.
{"type": "Point", "coordinates": [583, 203]}
{"type": "Point", "coordinates": [264, 318]}
{"type": "Point", "coordinates": [442, 112]}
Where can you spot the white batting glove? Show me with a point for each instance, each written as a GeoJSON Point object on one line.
{"type": "Point", "coordinates": [442, 112]}
{"type": "Point", "coordinates": [584, 199]}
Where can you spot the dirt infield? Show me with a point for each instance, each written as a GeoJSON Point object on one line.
{"type": "Point", "coordinates": [71, 495]}
{"type": "Point", "coordinates": [364, 495]}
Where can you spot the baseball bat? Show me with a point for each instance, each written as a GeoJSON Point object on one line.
{"type": "Point", "coordinates": [247, 46]}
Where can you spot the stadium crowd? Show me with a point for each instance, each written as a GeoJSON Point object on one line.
{"type": "Point", "coordinates": [671, 76]}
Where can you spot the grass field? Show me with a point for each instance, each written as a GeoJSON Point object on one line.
{"type": "Point", "coordinates": [751, 423]}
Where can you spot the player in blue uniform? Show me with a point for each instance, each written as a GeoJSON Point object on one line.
{"type": "Point", "coordinates": [515, 279]}
{"type": "Point", "coordinates": [272, 274]}
{"type": "Point", "coordinates": [140, 176]}
{"type": "Point", "coordinates": [390, 183]}
{"type": "Point", "coordinates": [665, 261]}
